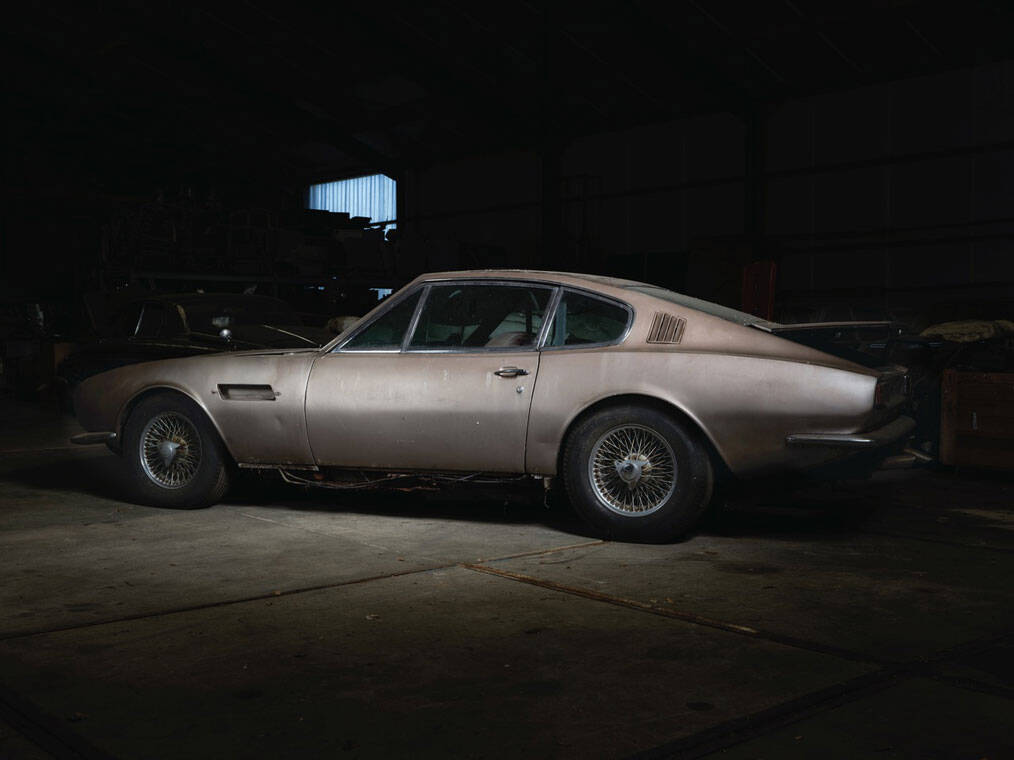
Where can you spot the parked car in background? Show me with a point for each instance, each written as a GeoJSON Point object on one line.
{"type": "Point", "coordinates": [634, 395]}
{"type": "Point", "coordinates": [164, 326]}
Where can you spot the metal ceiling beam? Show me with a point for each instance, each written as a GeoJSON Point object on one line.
{"type": "Point", "coordinates": [236, 106]}
{"type": "Point", "coordinates": [721, 92]}
{"type": "Point", "coordinates": [744, 45]}
{"type": "Point", "coordinates": [857, 70]}
{"type": "Point", "coordinates": [478, 94]}
{"type": "Point", "coordinates": [327, 126]}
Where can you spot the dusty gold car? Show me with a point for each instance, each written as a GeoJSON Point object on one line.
{"type": "Point", "coordinates": [634, 395]}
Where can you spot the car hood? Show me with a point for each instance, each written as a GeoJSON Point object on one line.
{"type": "Point", "coordinates": [282, 336]}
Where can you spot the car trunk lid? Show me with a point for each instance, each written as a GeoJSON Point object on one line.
{"type": "Point", "coordinates": [863, 343]}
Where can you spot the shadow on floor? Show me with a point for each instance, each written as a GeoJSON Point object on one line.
{"type": "Point", "coordinates": [89, 472]}
{"type": "Point", "coordinates": [824, 510]}
{"type": "Point", "coordinates": [821, 512]}
{"type": "Point", "coordinates": [98, 474]}
{"type": "Point", "coordinates": [787, 508]}
{"type": "Point", "coordinates": [519, 503]}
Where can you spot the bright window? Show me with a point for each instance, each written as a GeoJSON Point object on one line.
{"type": "Point", "coordinates": [373, 196]}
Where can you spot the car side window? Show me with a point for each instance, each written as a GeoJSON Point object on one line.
{"type": "Point", "coordinates": [387, 331]}
{"type": "Point", "coordinates": [462, 316]}
{"type": "Point", "coordinates": [581, 319]}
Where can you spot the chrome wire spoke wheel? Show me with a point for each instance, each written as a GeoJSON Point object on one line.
{"type": "Point", "coordinates": [632, 470]}
{"type": "Point", "coordinates": [170, 450]}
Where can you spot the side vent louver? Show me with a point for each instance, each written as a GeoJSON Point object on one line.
{"type": "Point", "coordinates": [233, 392]}
{"type": "Point", "coordinates": [666, 328]}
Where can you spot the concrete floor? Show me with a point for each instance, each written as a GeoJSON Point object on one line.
{"type": "Point", "coordinates": [868, 621]}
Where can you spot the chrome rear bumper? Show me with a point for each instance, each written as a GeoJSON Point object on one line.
{"type": "Point", "coordinates": [84, 439]}
{"type": "Point", "coordinates": [892, 432]}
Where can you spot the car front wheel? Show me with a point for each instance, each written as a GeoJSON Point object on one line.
{"type": "Point", "coordinates": [637, 474]}
{"type": "Point", "coordinates": [173, 455]}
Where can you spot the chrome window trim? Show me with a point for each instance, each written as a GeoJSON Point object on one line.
{"type": "Point", "coordinates": [472, 350]}
{"type": "Point", "coordinates": [392, 304]}
{"type": "Point", "coordinates": [366, 351]}
{"type": "Point", "coordinates": [539, 345]}
{"type": "Point", "coordinates": [554, 304]}
{"type": "Point", "coordinates": [140, 318]}
{"type": "Point", "coordinates": [598, 296]}
{"type": "Point", "coordinates": [413, 323]}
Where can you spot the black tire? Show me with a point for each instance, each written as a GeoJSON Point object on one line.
{"type": "Point", "coordinates": [205, 478]}
{"type": "Point", "coordinates": [668, 507]}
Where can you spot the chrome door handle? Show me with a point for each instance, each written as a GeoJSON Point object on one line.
{"type": "Point", "coordinates": [511, 372]}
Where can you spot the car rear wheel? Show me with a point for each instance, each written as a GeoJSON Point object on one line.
{"type": "Point", "coordinates": [173, 455]}
{"type": "Point", "coordinates": [637, 474]}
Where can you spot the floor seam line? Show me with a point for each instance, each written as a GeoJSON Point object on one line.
{"type": "Point", "coordinates": [226, 602]}
{"type": "Point", "coordinates": [740, 730]}
{"type": "Point", "coordinates": [281, 524]}
{"type": "Point", "coordinates": [930, 540]}
{"type": "Point", "coordinates": [970, 684]}
{"type": "Point", "coordinates": [276, 595]}
{"type": "Point", "coordinates": [44, 731]}
{"type": "Point", "coordinates": [687, 617]}
{"type": "Point", "coordinates": [538, 552]}
{"type": "Point", "coordinates": [345, 534]}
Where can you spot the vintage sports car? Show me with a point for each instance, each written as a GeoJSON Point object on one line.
{"type": "Point", "coordinates": [634, 395]}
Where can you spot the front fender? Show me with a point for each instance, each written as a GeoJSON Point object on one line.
{"type": "Point", "coordinates": [255, 429]}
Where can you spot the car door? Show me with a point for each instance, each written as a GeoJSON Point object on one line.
{"type": "Point", "coordinates": [441, 380]}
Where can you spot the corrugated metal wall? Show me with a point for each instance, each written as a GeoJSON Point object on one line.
{"type": "Point", "coordinates": [373, 196]}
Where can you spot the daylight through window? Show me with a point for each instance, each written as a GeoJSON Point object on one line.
{"type": "Point", "coordinates": [373, 196]}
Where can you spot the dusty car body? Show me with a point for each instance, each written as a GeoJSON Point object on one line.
{"type": "Point", "coordinates": [635, 395]}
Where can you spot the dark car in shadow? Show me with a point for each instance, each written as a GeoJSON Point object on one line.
{"type": "Point", "coordinates": [163, 326]}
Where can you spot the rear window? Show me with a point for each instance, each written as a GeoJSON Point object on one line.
{"type": "Point", "coordinates": [582, 320]}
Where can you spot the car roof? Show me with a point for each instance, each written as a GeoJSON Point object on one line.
{"type": "Point", "coordinates": [630, 291]}
{"type": "Point", "coordinates": [530, 274]}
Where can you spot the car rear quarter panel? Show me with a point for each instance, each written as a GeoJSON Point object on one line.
{"type": "Point", "coordinates": [743, 387]}
{"type": "Point", "coordinates": [745, 405]}
{"type": "Point", "coordinates": [254, 431]}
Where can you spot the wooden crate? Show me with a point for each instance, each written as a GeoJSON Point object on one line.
{"type": "Point", "coordinates": [977, 419]}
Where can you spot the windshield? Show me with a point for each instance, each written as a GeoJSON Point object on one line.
{"type": "Point", "coordinates": [214, 316]}
{"type": "Point", "coordinates": [714, 309]}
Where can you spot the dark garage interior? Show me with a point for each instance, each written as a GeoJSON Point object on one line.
{"type": "Point", "coordinates": [186, 182]}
